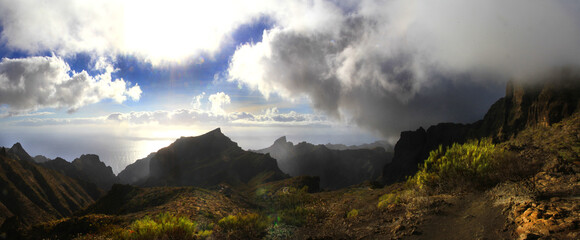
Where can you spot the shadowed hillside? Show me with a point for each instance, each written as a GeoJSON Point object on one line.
{"type": "Point", "coordinates": [35, 194]}
{"type": "Point", "coordinates": [136, 172]}
{"type": "Point", "coordinates": [209, 160]}
{"type": "Point", "coordinates": [336, 168]}
{"type": "Point", "coordinates": [88, 168]}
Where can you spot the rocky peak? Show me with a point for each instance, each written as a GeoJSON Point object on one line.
{"type": "Point", "coordinates": [89, 161]}
{"type": "Point", "coordinates": [41, 159]}
{"type": "Point", "coordinates": [18, 151]}
{"type": "Point", "coordinates": [281, 140]}
{"type": "Point", "coordinates": [208, 160]}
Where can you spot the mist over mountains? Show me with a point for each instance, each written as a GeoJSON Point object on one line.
{"type": "Point", "coordinates": [336, 168]}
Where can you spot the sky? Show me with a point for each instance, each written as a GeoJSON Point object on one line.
{"type": "Point", "coordinates": [123, 78]}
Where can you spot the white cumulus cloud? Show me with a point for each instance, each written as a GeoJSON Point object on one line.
{"type": "Point", "coordinates": [33, 83]}
{"type": "Point", "coordinates": [218, 100]}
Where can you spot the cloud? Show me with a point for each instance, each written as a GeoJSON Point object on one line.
{"type": "Point", "coordinates": [394, 65]}
{"type": "Point", "coordinates": [385, 65]}
{"type": "Point", "coordinates": [29, 84]}
{"type": "Point", "coordinates": [186, 117]}
{"type": "Point", "coordinates": [196, 101]}
{"type": "Point", "coordinates": [159, 31]}
{"type": "Point", "coordinates": [217, 100]}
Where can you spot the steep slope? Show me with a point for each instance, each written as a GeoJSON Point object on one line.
{"type": "Point", "coordinates": [137, 171]}
{"type": "Point", "coordinates": [336, 168]}
{"type": "Point", "coordinates": [87, 168]}
{"type": "Point", "coordinates": [525, 105]}
{"type": "Point", "coordinates": [35, 194]}
{"type": "Point", "coordinates": [208, 160]}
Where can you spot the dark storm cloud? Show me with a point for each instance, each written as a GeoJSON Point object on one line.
{"type": "Point", "coordinates": [395, 65]}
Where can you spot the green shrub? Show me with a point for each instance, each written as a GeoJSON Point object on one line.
{"type": "Point", "coordinates": [248, 226]}
{"type": "Point", "coordinates": [352, 214]}
{"type": "Point", "coordinates": [460, 165]}
{"type": "Point", "coordinates": [389, 198]}
{"type": "Point", "coordinates": [165, 226]}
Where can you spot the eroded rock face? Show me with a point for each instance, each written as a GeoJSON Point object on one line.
{"type": "Point", "coordinates": [530, 104]}
{"type": "Point", "coordinates": [525, 105]}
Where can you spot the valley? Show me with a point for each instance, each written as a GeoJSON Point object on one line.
{"type": "Point", "coordinates": [515, 174]}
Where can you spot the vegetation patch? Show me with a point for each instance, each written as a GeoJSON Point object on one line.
{"type": "Point", "coordinates": [165, 226]}
{"type": "Point", "coordinates": [352, 214]}
{"type": "Point", "coordinates": [389, 198]}
{"type": "Point", "coordinates": [67, 227]}
{"type": "Point", "coordinates": [461, 165]}
{"type": "Point", "coordinates": [243, 226]}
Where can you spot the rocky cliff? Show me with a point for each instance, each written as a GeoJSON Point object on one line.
{"type": "Point", "coordinates": [525, 104]}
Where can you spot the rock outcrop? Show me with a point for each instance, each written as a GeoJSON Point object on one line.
{"type": "Point", "coordinates": [336, 168]}
{"type": "Point", "coordinates": [525, 105]}
{"type": "Point", "coordinates": [209, 160]}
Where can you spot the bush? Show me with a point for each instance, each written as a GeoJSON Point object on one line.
{"type": "Point", "coordinates": [389, 198]}
{"type": "Point", "coordinates": [352, 214]}
{"type": "Point", "coordinates": [460, 165]}
{"type": "Point", "coordinates": [165, 226]}
{"type": "Point", "coordinates": [248, 226]}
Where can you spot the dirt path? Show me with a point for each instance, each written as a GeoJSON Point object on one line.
{"type": "Point", "coordinates": [468, 217]}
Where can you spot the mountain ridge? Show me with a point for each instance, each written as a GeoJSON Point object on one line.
{"type": "Point", "coordinates": [208, 160]}
{"type": "Point", "coordinates": [336, 168]}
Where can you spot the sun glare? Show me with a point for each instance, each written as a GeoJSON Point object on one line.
{"type": "Point", "coordinates": [175, 30]}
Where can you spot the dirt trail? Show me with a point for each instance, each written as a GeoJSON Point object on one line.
{"type": "Point", "coordinates": [471, 216]}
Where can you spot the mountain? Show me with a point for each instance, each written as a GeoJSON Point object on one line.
{"type": "Point", "coordinates": [40, 159]}
{"type": "Point", "coordinates": [88, 168]}
{"type": "Point", "coordinates": [17, 152]}
{"type": "Point", "coordinates": [525, 105]}
{"type": "Point", "coordinates": [209, 160]}
{"type": "Point", "coordinates": [384, 144]}
{"type": "Point", "coordinates": [336, 168]}
{"type": "Point", "coordinates": [137, 171]}
{"type": "Point", "coordinates": [31, 193]}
